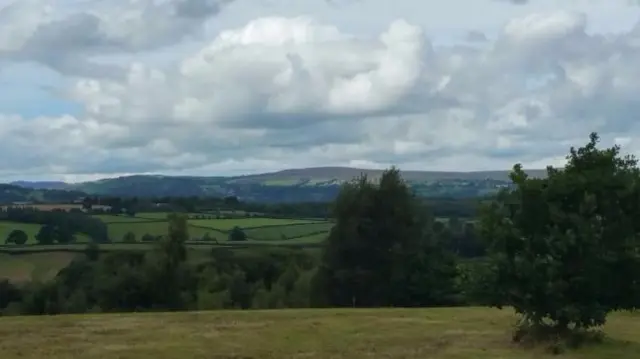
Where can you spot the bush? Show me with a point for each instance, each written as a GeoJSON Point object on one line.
{"type": "Point", "coordinates": [237, 235]}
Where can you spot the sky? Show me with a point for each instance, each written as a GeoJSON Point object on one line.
{"type": "Point", "coordinates": [103, 88]}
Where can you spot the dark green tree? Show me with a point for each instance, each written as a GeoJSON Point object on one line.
{"type": "Point", "coordinates": [17, 236]}
{"type": "Point", "coordinates": [565, 249]}
{"type": "Point", "coordinates": [168, 273]}
{"type": "Point", "coordinates": [148, 238]}
{"type": "Point", "coordinates": [46, 234]}
{"type": "Point", "coordinates": [63, 234]}
{"type": "Point", "coordinates": [129, 237]}
{"type": "Point", "coordinates": [237, 235]}
{"type": "Point", "coordinates": [382, 250]}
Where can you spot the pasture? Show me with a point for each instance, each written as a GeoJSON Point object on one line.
{"type": "Point", "coordinates": [31, 229]}
{"type": "Point", "coordinates": [257, 229]}
{"type": "Point", "coordinates": [33, 266]}
{"type": "Point", "coordinates": [444, 333]}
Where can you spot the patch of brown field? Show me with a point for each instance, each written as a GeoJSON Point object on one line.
{"type": "Point", "coordinates": [462, 333]}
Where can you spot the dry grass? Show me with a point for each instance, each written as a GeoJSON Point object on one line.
{"type": "Point", "coordinates": [465, 333]}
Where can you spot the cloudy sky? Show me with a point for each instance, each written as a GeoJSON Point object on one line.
{"type": "Point", "coordinates": [99, 88]}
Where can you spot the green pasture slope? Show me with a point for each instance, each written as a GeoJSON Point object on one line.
{"type": "Point", "coordinates": [257, 229]}
{"type": "Point", "coordinates": [21, 263]}
{"type": "Point", "coordinates": [442, 333]}
{"type": "Point", "coordinates": [31, 229]}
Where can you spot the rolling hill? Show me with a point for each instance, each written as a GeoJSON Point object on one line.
{"type": "Point", "coordinates": [292, 185]}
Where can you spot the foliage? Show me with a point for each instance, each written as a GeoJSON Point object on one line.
{"type": "Point", "coordinates": [17, 236]}
{"type": "Point", "coordinates": [237, 235]}
{"type": "Point", "coordinates": [382, 250]}
{"type": "Point", "coordinates": [564, 249]}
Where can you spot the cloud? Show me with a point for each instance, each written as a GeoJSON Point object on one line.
{"type": "Point", "coordinates": [35, 30]}
{"type": "Point", "coordinates": [282, 92]}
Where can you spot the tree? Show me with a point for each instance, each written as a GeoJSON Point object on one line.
{"type": "Point", "coordinates": [129, 237]}
{"type": "Point", "coordinates": [565, 248]}
{"type": "Point", "coordinates": [46, 234]}
{"type": "Point", "coordinates": [382, 250]}
{"type": "Point", "coordinates": [63, 233]}
{"type": "Point", "coordinates": [167, 272]}
{"type": "Point", "coordinates": [148, 238]}
{"type": "Point", "coordinates": [237, 235]}
{"type": "Point", "coordinates": [17, 236]}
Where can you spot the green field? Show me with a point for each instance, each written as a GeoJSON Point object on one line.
{"type": "Point", "coordinates": [461, 333]}
{"type": "Point", "coordinates": [31, 229]}
{"type": "Point", "coordinates": [33, 266]}
{"type": "Point", "coordinates": [285, 232]}
{"type": "Point", "coordinates": [259, 230]}
{"type": "Point", "coordinates": [108, 218]}
{"type": "Point", "coordinates": [274, 230]}
{"type": "Point", "coordinates": [245, 223]}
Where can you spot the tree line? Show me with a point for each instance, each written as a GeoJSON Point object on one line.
{"type": "Point", "coordinates": [563, 251]}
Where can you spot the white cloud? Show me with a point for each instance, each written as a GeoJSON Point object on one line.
{"type": "Point", "coordinates": [294, 91]}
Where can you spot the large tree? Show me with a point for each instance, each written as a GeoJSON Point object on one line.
{"type": "Point", "coordinates": [565, 249]}
{"type": "Point", "coordinates": [382, 251]}
{"type": "Point", "coordinates": [17, 236]}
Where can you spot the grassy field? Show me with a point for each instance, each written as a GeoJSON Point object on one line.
{"type": "Point", "coordinates": [245, 223]}
{"type": "Point", "coordinates": [461, 333]}
{"type": "Point", "coordinates": [36, 266]}
{"type": "Point", "coordinates": [285, 232]}
{"type": "Point", "coordinates": [31, 229]}
{"type": "Point", "coordinates": [273, 230]}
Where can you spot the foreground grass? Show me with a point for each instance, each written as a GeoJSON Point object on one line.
{"type": "Point", "coordinates": [463, 333]}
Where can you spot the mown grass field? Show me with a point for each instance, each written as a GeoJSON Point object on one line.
{"type": "Point", "coordinates": [461, 333]}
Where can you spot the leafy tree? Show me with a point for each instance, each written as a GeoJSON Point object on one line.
{"type": "Point", "coordinates": [129, 237]}
{"type": "Point", "coordinates": [46, 234]}
{"type": "Point", "coordinates": [565, 248]}
{"type": "Point", "coordinates": [17, 236]}
{"type": "Point", "coordinates": [63, 234]}
{"type": "Point", "coordinates": [167, 272]}
{"type": "Point", "coordinates": [237, 235]}
{"type": "Point", "coordinates": [148, 238]}
{"type": "Point", "coordinates": [92, 251]}
{"type": "Point", "coordinates": [382, 250]}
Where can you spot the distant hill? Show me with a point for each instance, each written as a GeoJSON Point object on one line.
{"type": "Point", "coordinates": [321, 174]}
{"type": "Point", "coordinates": [42, 184]}
{"type": "Point", "coordinates": [292, 185]}
{"type": "Point", "coordinates": [12, 193]}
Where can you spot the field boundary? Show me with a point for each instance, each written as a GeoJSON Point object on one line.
{"type": "Point", "coordinates": [141, 246]}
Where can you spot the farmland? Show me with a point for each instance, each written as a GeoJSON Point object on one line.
{"type": "Point", "coordinates": [462, 333]}
{"type": "Point", "coordinates": [34, 261]}
{"type": "Point", "coordinates": [273, 230]}
{"type": "Point", "coordinates": [31, 229]}
{"type": "Point", "coordinates": [33, 266]}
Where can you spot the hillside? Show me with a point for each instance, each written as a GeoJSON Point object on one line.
{"type": "Point", "coordinates": [293, 185]}
{"type": "Point", "coordinates": [12, 193]}
{"type": "Point", "coordinates": [463, 333]}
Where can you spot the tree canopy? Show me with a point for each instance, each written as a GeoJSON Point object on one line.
{"type": "Point", "coordinates": [564, 248]}
{"type": "Point", "coordinates": [382, 250]}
